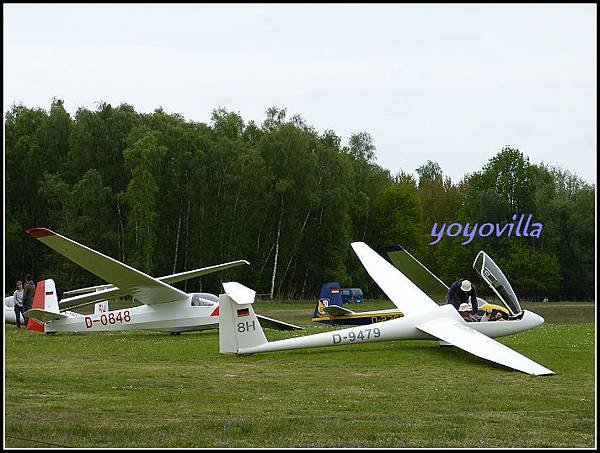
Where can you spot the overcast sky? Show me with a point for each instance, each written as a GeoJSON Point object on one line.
{"type": "Point", "coordinates": [447, 83]}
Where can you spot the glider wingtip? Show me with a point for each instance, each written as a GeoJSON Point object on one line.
{"type": "Point", "coordinates": [541, 371]}
{"type": "Point", "coordinates": [39, 232]}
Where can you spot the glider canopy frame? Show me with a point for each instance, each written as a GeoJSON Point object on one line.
{"type": "Point", "coordinates": [497, 281]}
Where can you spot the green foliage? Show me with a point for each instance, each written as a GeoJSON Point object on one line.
{"type": "Point", "coordinates": [566, 206]}
{"type": "Point", "coordinates": [399, 216]}
{"type": "Point", "coordinates": [165, 195]}
{"type": "Point", "coordinates": [440, 200]}
{"type": "Point", "coordinates": [143, 161]}
{"type": "Point", "coordinates": [558, 264]}
{"type": "Point", "coordinates": [506, 182]}
{"type": "Point", "coordinates": [530, 271]}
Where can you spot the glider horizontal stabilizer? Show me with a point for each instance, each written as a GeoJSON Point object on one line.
{"type": "Point", "coordinates": [239, 293]}
{"type": "Point", "coordinates": [44, 316]}
{"type": "Point", "coordinates": [334, 310]}
{"type": "Point", "coordinates": [244, 296]}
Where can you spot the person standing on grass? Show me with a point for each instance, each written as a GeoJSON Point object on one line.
{"type": "Point", "coordinates": [28, 293]}
{"type": "Point", "coordinates": [18, 300]}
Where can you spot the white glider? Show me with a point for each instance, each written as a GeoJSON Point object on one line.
{"type": "Point", "coordinates": [165, 308]}
{"type": "Point", "coordinates": [240, 331]}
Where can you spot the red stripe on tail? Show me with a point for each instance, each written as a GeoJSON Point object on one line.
{"type": "Point", "coordinates": [38, 302]}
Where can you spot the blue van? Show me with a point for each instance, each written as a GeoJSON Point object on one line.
{"type": "Point", "coordinates": [352, 296]}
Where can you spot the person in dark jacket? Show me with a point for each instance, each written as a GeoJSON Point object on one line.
{"type": "Point", "coordinates": [460, 292]}
{"type": "Point", "coordinates": [28, 293]}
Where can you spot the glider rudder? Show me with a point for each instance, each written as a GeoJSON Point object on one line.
{"type": "Point", "coordinates": [238, 325]}
{"type": "Point", "coordinates": [43, 299]}
{"type": "Point", "coordinates": [330, 294]}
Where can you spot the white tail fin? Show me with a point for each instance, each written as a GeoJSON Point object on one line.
{"type": "Point", "coordinates": [101, 307]}
{"type": "Point", "coordinates": [50, 298]}
{"type": "Point", "coordinates": [238, 325]}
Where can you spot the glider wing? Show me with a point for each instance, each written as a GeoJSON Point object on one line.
{"type": "Point", "coordinates": [402, 292]}
{"type": "Point", "coordinates": [130, 281]}
{"type": "Point", "coordinates": [93, 294]}
{"type": "Point", "coordinates": [173, 278]}
{"type": "Point", "coordinates": [426, 280]}
{"type": "Point", "coordinates": [90, 298]}
{"type": "Point", "coordinates": [276, 324]}
{"type": "Point", "coordinates": [462, 336]}
{"type": "Point", "coordinates": [89, 289]}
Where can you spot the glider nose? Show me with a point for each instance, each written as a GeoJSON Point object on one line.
{"type": "Point", "coordinates": [534, 320]}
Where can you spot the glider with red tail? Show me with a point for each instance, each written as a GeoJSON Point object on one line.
{"type": "Point", "coordinates": [164, 307]}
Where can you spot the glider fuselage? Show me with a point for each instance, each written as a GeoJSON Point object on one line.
{"type": "Point", "coordinates": [404, 328]}
{"type": "Point", "coordinates": [241, 333]}
{"type": "Point", "coordinates": [177, 316]}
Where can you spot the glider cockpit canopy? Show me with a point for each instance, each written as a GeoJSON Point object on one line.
{"type": "Point", "coordinates": [437, 290]}
{"type": "Point", "coordinates": [204, 300]}
{"type": "Point", "coordinates": [496, 280]}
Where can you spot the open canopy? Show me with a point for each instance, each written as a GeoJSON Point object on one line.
{"type": "Point", "coordinates": [496, 280]}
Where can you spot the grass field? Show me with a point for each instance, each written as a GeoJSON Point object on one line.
{"type": "Point", "coordinates": [145, 389]}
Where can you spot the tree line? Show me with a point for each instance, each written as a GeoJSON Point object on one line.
{"type": "Point", "coordinates": [165, 195]}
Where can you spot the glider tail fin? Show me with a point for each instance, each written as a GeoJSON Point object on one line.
{"type": "Point", "coordinates": [331, 294]}
{"type": "Point", "coordinates": [44, 299]}
{"type": "Point", "coordinates": [238, 325]}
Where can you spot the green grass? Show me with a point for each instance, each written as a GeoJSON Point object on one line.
{"type": "Point", "coordinates": [145, 389]}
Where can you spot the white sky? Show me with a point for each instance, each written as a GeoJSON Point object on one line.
{"type": "Point", "coordinates": [448, 83]}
